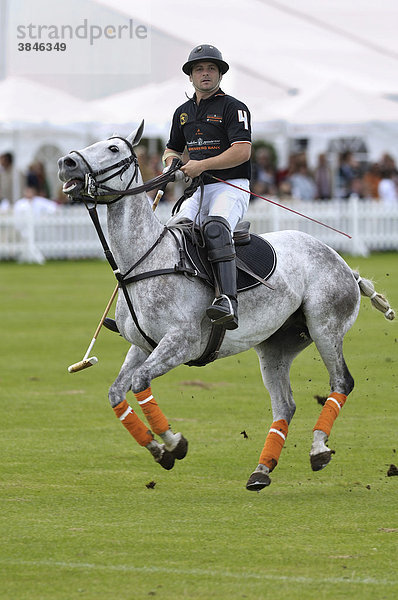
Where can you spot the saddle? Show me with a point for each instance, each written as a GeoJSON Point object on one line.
{"type": "Point", "coordinates": [255, 257]}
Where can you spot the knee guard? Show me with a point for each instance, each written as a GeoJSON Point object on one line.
{"type": "Point", "coordinates": [218, 239]}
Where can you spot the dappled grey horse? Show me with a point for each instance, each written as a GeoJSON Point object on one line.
{"type": "Point", "coordinates": [315, 298]}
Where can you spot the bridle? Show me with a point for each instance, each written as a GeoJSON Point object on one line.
{"type": "Point", "coordinates": [96, 190]}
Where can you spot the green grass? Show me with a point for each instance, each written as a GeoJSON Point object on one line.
{"type": "Point", "coordinates": [77, 519]}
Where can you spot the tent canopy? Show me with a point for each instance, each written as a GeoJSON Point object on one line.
{"type": "Point", "coordinates": [25, 101]}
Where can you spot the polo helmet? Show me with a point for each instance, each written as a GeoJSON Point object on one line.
{"type": "Point", "coordinates": [205, 52]}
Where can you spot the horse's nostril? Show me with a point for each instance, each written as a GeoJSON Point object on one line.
{"type": "Point", "coordinates": [69, 162]}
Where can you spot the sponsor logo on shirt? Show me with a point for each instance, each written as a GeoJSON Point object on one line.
{"type": "Point", "coordinates": [201, 144]}
{"type": "Point", "coordinates": [214, 118]}
{"type": "Point", "coordinates": [183, 118]}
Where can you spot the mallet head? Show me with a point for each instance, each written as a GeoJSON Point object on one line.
{"type": "Point", "coordinates": [83, 364]}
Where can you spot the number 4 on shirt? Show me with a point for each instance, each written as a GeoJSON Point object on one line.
{"type": "Point", "coordinates": [242, 118]}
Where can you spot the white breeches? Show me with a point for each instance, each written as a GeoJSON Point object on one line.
{"type": "Point", "coordinates": [219, 199]}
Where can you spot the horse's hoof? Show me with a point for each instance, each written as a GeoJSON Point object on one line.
{"type": "Point", "coordinates": [321, 460]}
{"type": "Point", "coordinates": [180, 451]}
{"type": "Point", "coordinates": [166, 460]}
{"type": "Point", "coordinates": [257, 481]}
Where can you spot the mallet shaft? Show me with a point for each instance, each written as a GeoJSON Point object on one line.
{"type": "Point", "coordinates": [111, 299]}
{"type": "Point", "coordinates": [158, 197]}
{"type": "Point", "coordinates": [88, 362]}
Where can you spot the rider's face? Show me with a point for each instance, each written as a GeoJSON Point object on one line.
{"type": "Point", "coordinates": [205, 76]}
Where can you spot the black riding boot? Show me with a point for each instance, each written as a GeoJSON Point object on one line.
{"type": "Point", "coordinates": [221, 255]}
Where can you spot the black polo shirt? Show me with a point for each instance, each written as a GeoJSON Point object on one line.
{"type": "Point", "coordinates": [210, 128]}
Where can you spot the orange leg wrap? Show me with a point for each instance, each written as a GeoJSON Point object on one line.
{"type": "Point", "coordinates": [133, 423]}
{"type": "Point", "coordinates": [330, 412]}
{"type": "Point", "coordinates": [274, 444]}
{"type": "Point", "coordinates": [151, 410]}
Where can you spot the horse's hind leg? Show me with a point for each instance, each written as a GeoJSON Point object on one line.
{"type": "Point", "coordinates": [276, 356]}
{"type": "Point", "coordinates": [327, 329]}
{"type": "Point", "coordinates": [341, 384]}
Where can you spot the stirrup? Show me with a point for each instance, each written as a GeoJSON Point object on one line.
{"type": "Point", "coordinates": [221, 317]}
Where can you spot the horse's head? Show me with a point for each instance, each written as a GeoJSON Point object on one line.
{"type": "Point", "coordinates": [112, 161]}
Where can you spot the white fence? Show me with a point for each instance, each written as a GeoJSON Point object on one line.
{"type": "Point", "coordinates": [69, 233]}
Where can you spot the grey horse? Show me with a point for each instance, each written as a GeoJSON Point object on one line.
{"type": "Point", "coordinates": [315, 298]}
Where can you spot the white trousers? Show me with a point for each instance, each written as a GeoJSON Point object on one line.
{"type": "Point", "coordinates": [219, 199]}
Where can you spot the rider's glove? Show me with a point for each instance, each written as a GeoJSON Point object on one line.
{"type": "Point", "coordinates": [177, 176]}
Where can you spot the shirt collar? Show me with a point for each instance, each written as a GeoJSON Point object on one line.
{"type": "Point", "coordinates": [218, 92]}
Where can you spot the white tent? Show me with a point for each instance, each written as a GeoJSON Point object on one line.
{"type": "Point", "coordinates": [35, 118]}
{"type": "Point", "coordinates": [25, 101]}
{"type": "Point", "coordinates": [308, 69]}
{"type": "Point", "coordinates": [286, 44]}
{"type": "Point", "coordinates": [337, 103]}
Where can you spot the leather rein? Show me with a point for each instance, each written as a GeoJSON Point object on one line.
{"type": "Point", "coordinates": [94, 189]}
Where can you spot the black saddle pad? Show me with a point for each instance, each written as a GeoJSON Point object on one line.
{"type": "Point", "coordinates": [258, 255]}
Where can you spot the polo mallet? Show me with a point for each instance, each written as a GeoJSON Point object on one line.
{"type": "Point", "coordinates": [89, 362]}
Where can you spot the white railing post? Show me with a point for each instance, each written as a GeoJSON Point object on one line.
{"type": "Point", "coordinates": [359, 246]}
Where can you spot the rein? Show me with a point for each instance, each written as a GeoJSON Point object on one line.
{"type": "Point", "coordinates": [95, 189]}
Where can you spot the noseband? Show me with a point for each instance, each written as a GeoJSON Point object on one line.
{"type": "Point", "coordinates": [95, 189]}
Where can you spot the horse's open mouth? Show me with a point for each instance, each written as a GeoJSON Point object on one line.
{"type": "Point", "coordinates": [73, 186]}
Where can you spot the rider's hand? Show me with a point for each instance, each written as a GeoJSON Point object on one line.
{"type": "Point", "coordinates": [177, 176]}
{"type": "Point", "coordinates": [193, 168]}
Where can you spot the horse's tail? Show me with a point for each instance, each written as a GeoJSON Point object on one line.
{"type": "Point", "coordinates": [378, 300]}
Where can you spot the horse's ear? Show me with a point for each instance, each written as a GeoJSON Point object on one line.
{"type": "Point", "coordinates": [136, 135]}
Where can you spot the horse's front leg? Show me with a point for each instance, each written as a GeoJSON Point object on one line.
{"type": "Point", "coordinates": [175, 348]}
{"type": "Point", "coordinates": [128, 417]}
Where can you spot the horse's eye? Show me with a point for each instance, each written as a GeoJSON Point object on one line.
{"type": "Point", "coordinates": [113, 148]}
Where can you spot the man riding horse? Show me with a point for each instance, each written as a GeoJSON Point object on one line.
{"type": "Point", "coordinates": [216, 130]}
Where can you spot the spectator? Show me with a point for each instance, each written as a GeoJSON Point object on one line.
{"type": "Point", "coordinates": [387, 162]}
{"type": "Point", "coordinates": [263, 171]}
{"type": "Point", "coordinates": [301, 181]}
{"type": "Point", "coordinates": [387, 189]}
{"type": "Point", "coordinates": [285, 190]}
{"type": "Point", "coordinates": [323, 179]}
{"type": "Point", "coordinates": [34, 203]}
{"type": "Point", "coordinates": [348, 172]}
{"type": "Point", "coordinates": [357, 187]}
{"type": "Point", "coordinates": [36, 178]}
{"type": "Point", "coordinates": [6, 177]}
{"type": "Point", "coordinates": [260, 188]}
{"type": "Point", "coordinates": [150, 166]}
{"type": "Point", "coordinates": [371, 180]}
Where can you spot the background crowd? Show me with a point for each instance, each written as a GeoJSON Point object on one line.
{"type": "Point", "coordinates": [378, 180]}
